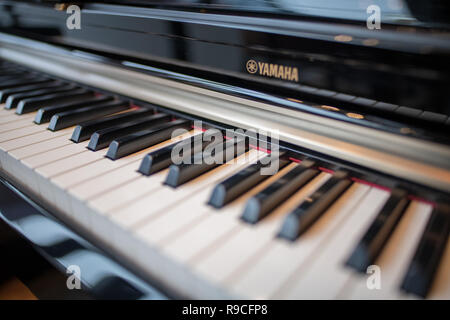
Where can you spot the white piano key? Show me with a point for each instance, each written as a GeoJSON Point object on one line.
{"type": "Point", "coordinates": [178, 217]}
{"type": "Point", "coordinates": [157, 201]}
{"type": "Point", "coordinates": [241, 246]}
{"type": "Point", "coordinates": [72, 157]}
{"type": "Point", "coordinates": [70, 179]}
{"type": "Point", "coordinates": [283, 258]}
{"type": "Point", "coordinates": [21, 123]}
{"type": "Point", "coordinates": [44, 173]}
{"type": "Point", "coordinates": [186, 213]}
{"type": "Point", "coordinates": [22, 160]}
{"type": "Point", "coordinates": [69, 164]}
{"type": "Point", "coordinates": [25, 160]}
{"type": "Point", "coordinates": [121, 171]}
{"type": "Point", "coordinates": [11, 118]}
{"type": "Point", "coordinates": [126, 171]}
{"type": "Point", "coordinates": [91, 174]}
{"type": "Point", "coordinates": [79, 194]}
{"type": "Point", "coordinates": [142, 252]}
{"type": "Point", "coordinates": [326, 275]}
{"type": "Point", "coordinates": [191, 244]}
{"type": "Point", "coordinates": [173, 221]}
{"type": "Point", "coordinates": [55, 154]}
{"type": "Point", "coordinates": [90, 171]}
{"type": "Point", "coordinates": [13, 150]}
{"type": "Point", "coordinates": [78, 205]}
{"type": "Point", "coordinates": [395, 257]}
{"type": "Point", "coordinates": [104, 182]}
{"type": "Point", "coordinates": [5, 112]}
{"type": "Point", "coordinates": [102, 223]}
{"type": "Point", "coordinates": [14, 118]}
{"type": "Point", "coordinates": [163, 200]}
{"type": "Point", "coordinates": [18, 143]}
{"type": "Point", "coordinates": [23, 172]}
{"type": "Point", "coordinates": [40, 148]}
{"type": "Point", "coordinates": [30, 140]}
{"type": "Point", "coordinates": [14, 143]}
{"type": "Point", "coordinates": [128, 192]}
{"type": "Point", "coordinates": [64, 181]}
{"type": "Point", "coordinates": [20, 132]}
{"type": "Point", "coordinates": [133, 188]}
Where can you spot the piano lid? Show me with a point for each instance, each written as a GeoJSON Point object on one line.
{"type": "Point", "coordinates": [429, 14]}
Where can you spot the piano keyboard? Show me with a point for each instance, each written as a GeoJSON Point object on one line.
{"type": "Point", "coordinates": [312, 230]}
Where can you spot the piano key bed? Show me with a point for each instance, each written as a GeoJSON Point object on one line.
{"type": "Point", "coordinates": [102, 165]}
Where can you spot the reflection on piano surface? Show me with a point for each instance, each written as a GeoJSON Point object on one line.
{"type": "Point", "coordinates": [89, 124]}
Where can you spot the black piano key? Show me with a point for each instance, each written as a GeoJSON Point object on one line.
{"type": "Point", "coordinates": [4, 72]}
{"type": "Point", "coordinates": [12, 68]}
{"type": "Point", "coordinates": [11, 76]}
{"type": "Point", "coordinates": [33, 104]}
{"type": "Point", "coordinates": [9, 69]}
{"type": "Point", "coordinates": [102, 138]}
{"type": "Point", "coordinates": [198, 164]}
{"type": "Point", "coordinates": [134, 142]}
{"type": "Point", "coordinates": [6, 65]}
{"type": "Point", "coordinates": [260, 205]}
{"type": "Point", "coordinates": [84, 130]}
{"type": "Point", "coordinates": [373, 241]}
{"type": "Point", "coordinates": [18, 82]}
{"type": "Point", "coordinates": [45, 114]}
{"type": "Point", "coordinates": [161, 159]}
{"type": "Point", "coordinates": [10, 73]}
{"type": "Point", "coordinates": [16, 73]}
{"type": "Point", "coordinates": [70, 118]}
{"type": "Point", "coordinates": [233, 187]}
{"type": "Point", "coordinates": [13, 100]}
{"type": "Point", "coordinates": [5, 93]}
{"type": "Point", "coordinates": [423, 266]}
{"type": "Point", "coordinates": [312, 208]}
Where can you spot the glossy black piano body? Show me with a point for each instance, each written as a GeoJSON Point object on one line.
{"type": "Point", "coordinates": [340, 61]}
{"type": "Point", "coordinates": [394, 79]}
{"type": "Point", "coordinates": [102, 277]}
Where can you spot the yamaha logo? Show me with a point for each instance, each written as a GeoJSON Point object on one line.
{"type": "Point", "coordinates": [252, 66]}
{"type": "Point", "coordinates": [272, 70]}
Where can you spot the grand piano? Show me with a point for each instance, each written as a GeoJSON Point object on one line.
{"type": "Point", "coordinates": [349, 99]}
